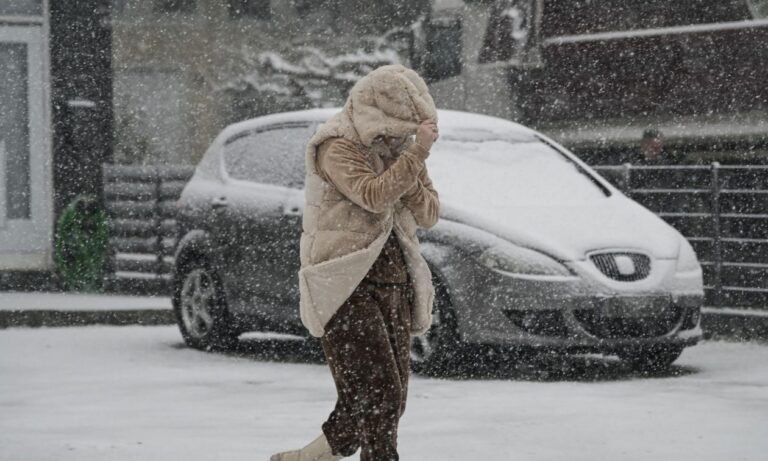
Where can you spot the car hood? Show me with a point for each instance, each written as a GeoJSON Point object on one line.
{"type": "Point", "coordinates": [525, 191]}
{"type": "Point", "coordinates": [571, 232]}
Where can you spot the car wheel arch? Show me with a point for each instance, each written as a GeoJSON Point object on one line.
{"type": "Point", "coordinates": [443, 292]}
{"type": "Point", "coordinates": [194, 245]}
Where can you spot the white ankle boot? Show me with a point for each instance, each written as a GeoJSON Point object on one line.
{"type": "Point", "coordinates": [317, 450]}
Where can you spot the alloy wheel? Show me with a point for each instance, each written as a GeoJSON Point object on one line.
{"type": "Point", "coordinates": [198, 298]}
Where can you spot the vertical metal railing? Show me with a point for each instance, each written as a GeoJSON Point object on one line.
{"type": "Point", "coordinates": [730, 234]}
{"type": "Point", "coordinates": [627, 177]}
{"type": "Point", "coordinates": [158, 218]}
{"type": "Point", "coordinates": [717, 237]}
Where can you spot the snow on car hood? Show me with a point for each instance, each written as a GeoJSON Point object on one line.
{"type": "Point", "coordinates": [532, 195]}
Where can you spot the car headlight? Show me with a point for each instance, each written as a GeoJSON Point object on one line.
{"type": "Point", "coordinates": [686, 259]}
{"type": "Point", "coordinates": [515, 260]}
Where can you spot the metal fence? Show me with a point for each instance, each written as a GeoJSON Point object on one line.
{"type": "Point", "coordinates": [722, 210]}
{"type": "Point", "coordinates": [140, 202]}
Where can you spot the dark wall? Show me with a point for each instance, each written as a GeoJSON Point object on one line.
{"type": "Point", "coordinates": [569, 17]}
{"type": "Point", "coordinates": [81, 93]}
{"type": "Point", "coordinates": [721, 71]}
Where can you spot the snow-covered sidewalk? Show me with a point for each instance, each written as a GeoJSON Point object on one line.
{"type": "Point", "coordinates": [136, 393]}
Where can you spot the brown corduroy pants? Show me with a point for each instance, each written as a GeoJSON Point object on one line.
{"type": "Point", "coordinates": [367, 345]}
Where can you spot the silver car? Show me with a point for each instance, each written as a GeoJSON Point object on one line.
{"type": "Point", "coordinates": [533, 249]}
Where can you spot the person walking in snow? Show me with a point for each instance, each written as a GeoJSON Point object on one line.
{"type": "Point", "coordinates": [365, 288]}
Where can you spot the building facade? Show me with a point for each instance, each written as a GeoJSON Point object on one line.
{"type": "Point", "coordinates": [153, 81]}
{"type": "Point", "coordinates": [594, 75]}
{"type": "Point", "coordinates": [186, 68]}
{"type": "Point", "coordinates": [692, 71]}
{"type": "Point", "coordinates": [55, 119]}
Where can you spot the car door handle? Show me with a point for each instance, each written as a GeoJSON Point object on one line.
{"type": "Point", "coordinates": [219, 202]}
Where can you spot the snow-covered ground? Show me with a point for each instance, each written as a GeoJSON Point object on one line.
{"type": "Point", "coordinates": [135, 393]}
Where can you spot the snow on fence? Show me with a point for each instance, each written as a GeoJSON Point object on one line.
{"type": "Point", "coordinates": [722, 210]}
{"type": "Point", "coordinates": [140, 201]}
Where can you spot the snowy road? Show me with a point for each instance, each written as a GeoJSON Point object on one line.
{"type": "Point", "coordinates": [135, 393]}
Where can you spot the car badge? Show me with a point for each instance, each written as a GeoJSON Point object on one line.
{"type": "Point", "coordinates": [624, 264]}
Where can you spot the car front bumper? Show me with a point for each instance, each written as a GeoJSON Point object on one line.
{"type": "Point", "coordinates": [597, 324]}
{"type": "Point", "coordinates": [579, 313]}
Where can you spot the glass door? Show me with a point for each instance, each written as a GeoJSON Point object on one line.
{"type": "Point", "coordinates": [25, 159]}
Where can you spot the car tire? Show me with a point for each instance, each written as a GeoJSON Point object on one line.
{"type": "Point", "coordinates": [438, 350]}
{"type": "Point", "coordinates": [201, 309]}
{"type": "Point", "coordinates": [651, 358]}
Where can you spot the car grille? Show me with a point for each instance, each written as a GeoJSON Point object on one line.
{"type": "Point", "coordinates": [612, 266]}
{"type": "Point", "coordinates": [540, 323]}
{"type": "Point", "coordinates": [605, 327]}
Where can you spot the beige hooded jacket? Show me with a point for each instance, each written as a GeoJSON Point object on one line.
{"type": "Point", "coordinates": [342, 237]}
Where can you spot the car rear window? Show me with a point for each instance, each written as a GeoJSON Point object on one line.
{"type": "Point", "coordinates": [269, 155]}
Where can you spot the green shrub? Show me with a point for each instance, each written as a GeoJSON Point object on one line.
{"type": "Point", "coordinates": [82, 241]}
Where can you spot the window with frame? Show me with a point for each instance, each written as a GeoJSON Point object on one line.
{"type": "Point", "coordinates": [174, 6]}
{"type": "Point", "coordinates": [258, 9]}
{"type": "Point", "coordinates": [272, 155]}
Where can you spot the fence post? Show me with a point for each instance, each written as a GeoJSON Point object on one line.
{"type": "Point", "coordinates": [110, 277]}
{"type": "Point", "coordinates": [717, 246]}
{"type": "Point", "coordinates": [627, 178]}
{"type": "Point", "coordinates": [158, 222]}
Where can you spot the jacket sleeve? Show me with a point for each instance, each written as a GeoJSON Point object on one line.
{"type": "Point", "coordinates": [423, 201]}
{"type": "Point", "coordinates": [348, 170]}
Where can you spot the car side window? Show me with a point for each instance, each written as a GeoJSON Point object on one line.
{"type": "Point", "coordinates": [269, 155]}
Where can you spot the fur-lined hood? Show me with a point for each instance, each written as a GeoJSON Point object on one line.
{"type": "Point", "coordinates": [391, 101]}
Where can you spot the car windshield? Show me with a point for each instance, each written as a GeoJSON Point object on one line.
{"type": "Point", "coordinates": [498, 173]}
{"type": "Point", "coordinates": [273, 155]}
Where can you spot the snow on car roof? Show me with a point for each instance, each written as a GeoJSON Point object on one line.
{"type": "Point", "coordinates": [466, 125]}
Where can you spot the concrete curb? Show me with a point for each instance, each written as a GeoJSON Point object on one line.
{"type": "Point", "coordinates": [61, 309]}
{"type": "Point", "coordinates": [57, 318]}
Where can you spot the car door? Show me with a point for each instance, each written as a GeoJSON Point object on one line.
{"type": "Point", "coordinates": [290, 229]}
{"type": "Point", "coordinates": [264, 167]}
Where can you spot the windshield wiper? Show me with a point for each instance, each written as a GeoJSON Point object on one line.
{"type": "Point", "coordinates": [607, 192]}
